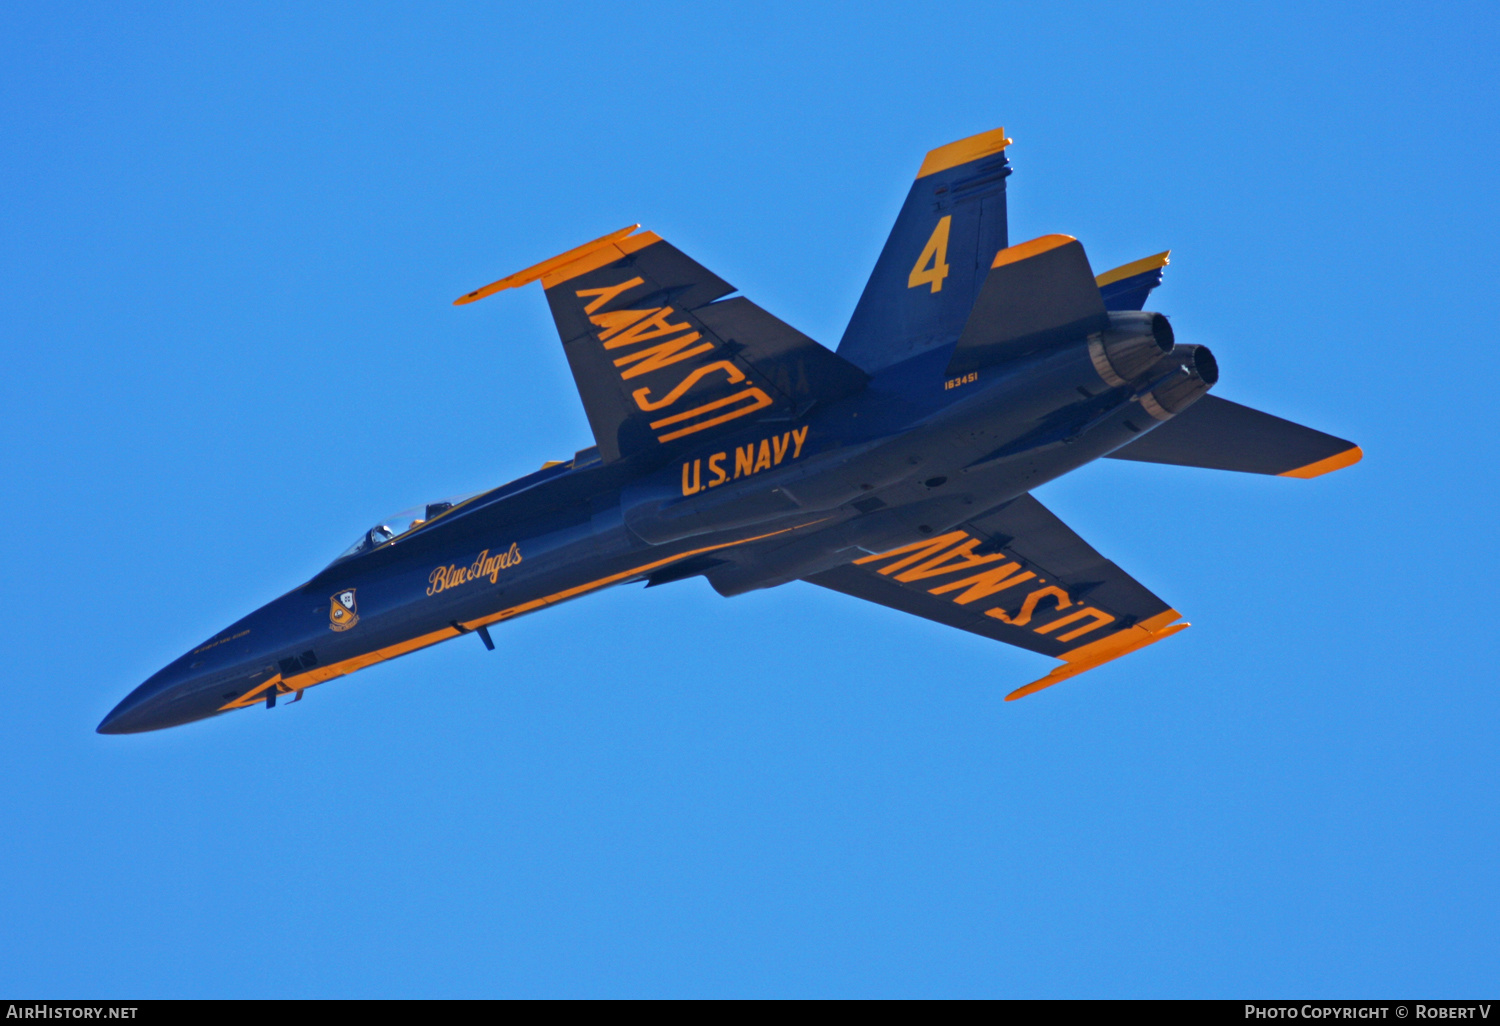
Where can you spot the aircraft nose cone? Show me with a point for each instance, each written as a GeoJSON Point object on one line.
{"type": "Point", "coordinates": [150, 706]}
{"type": "Point", "coordinates": [132, 715]}
{"type": "Point", "coordinates": [180, 694]}
{"type": "Point", "coordinates": [112, 724]}
{"type": "Point", "coordinates": [197, 684]}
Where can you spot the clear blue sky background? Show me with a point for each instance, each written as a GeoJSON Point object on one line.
{"type": "Point", "coordinates": [228, 244]}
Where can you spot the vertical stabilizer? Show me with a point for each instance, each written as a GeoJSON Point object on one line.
{"type": "Point", "coordinates": [950, 228]}
{"type": "Point", "coordinates": [1128, 287]}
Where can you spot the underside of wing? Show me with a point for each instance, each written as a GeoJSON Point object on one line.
{"type": "Point", "coordinates": [660, 355]}
{"type": "Point", "coordinates": [1018, 575]}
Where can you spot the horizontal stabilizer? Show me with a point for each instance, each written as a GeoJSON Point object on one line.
{"type": "Point", "coordinates": [1217, 434]}
{"type": "Point", "coordinates": [1036, 294]}
{"type": "Point", "coordinates": [1127, 287]}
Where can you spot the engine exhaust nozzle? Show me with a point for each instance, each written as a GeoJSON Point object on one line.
{"type": "Point", "coordinates": [1134, 342]}
{"type": "Point", "coordinates": [1193, 371]}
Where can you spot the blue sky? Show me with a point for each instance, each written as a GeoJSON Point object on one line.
{"type": "Point", "coordinates": [229, 241]}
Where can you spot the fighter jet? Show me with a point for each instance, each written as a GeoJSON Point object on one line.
{"type": "Point", "coordinates": [728, 445]}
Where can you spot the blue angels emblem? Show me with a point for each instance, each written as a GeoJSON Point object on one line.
{"type": "Point", "coordinates": [343, 611]}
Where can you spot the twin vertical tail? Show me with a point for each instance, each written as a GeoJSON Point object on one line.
{"type": "Point", "coordinates": [939, 251]}
{"type": "Point", "coordinates": [1043, 293]}
{"type": "Point", "coordinates": [1037, 294]}
{"type": "Point", "coordinates": [947, 277]}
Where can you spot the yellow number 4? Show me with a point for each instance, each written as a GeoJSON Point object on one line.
{"type": "Point", "coordinates": [934, 253]}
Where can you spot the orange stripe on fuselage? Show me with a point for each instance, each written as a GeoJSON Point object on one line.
{"type": "Point", "coordinates": [380, 655]}
{"type": "Point", "coordinates": [253, 696]}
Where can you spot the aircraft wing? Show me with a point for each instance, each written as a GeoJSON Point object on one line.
{"type": "Point", "coordinates": [659, 355]}
{"type": "Point", "coordinates": [1221, 435]}
{"type": "Point", "coordinates": [1019, 575]}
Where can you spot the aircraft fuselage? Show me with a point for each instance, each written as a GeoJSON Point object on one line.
{"type": "Point", "coordinates": [917, 451]}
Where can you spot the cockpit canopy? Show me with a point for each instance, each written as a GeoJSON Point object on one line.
{"type": "Point", "coordinates": [405, 522]}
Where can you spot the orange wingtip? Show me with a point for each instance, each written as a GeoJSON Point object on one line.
{"type": "Point", "coordinates": [1027, 250]}
{"type": "Point", "coordinates": [963, 151]}
{"type": "Point", "coordinates": [1347, 458]}
{"type": "Point", "coordinates": [1086, 657]}
{"type": "Point", "coordinates": [596, 258]}
{"type": "Point", "coordinates": [536, 271]}
{"type": "Point", "coordinates": [1135, 267]}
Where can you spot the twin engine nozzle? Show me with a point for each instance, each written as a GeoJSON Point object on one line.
{"type": "Point", "coordinates": [1189, 371]}
{"type": "Point", "coordinates": [1132, 344]}
{"type": "Point", "coordinates": [1139, 348]}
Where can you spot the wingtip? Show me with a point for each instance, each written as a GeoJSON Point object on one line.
{"type": "Point", "coordinates": [537, 271]}
{"type": "Point", "coordinates": [1045, 682]}
{"type": "Point", "coordinates": [1081, 660]}
{"type": "Point", "coordinates": [1338, 461]}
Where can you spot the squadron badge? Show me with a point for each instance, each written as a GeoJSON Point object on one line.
{"type": "Point", "coordinates": [343, 611]}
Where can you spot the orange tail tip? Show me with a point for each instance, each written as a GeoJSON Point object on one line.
{"type": "Point", "coordinates": [1026, 250]}
{"type": "Point", "coordinates": [1135, 267]}
{"type": "Point", "coordinates": [536, 271]}
{"type": "Point", "coordinates": [1086, 657]}
{"type": "Point", "coordinates": [1347, 458]}
{"type": "Point", "coordinates": [963, 151]}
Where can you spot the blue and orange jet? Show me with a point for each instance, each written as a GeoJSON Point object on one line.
{"type": "Point", "coordinates": [731, 446]}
